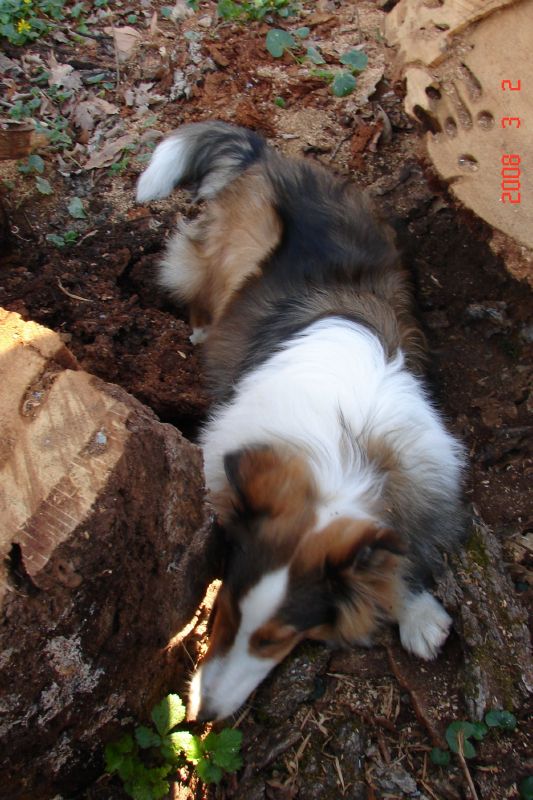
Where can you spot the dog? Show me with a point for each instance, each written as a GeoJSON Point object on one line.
{"type": "Point", "coordinates": [334, 479]}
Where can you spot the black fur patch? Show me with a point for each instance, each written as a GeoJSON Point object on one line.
{"type": "Point", "coordinates": [334, 259]}
{"type": "Point", "coordinates": [213, 143]}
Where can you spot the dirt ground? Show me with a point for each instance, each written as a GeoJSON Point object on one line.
{"type": "Point", "coordinates": [356, 723]}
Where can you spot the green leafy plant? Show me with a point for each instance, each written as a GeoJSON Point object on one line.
{"type": "Point", "coordinates": [119, 166]}
{"type": "Point", "coordinates": [22, 109]}
{"type": "Point", "coordinates": [62, 239]}
{"type": "Point", "coordinates": [255, 9]}
{"type": "Point", "coordinates": [57, 132]}
{"type": "Point", "coordinates": [146, 761]}
{"type": "Point", "coordinates": [460, 733]}
{"type": "Point", "coordinates": [75, 209]}
{"type": "Point", "coordinates": [355, 59]}
{"type": "Point", "coordinates": [43, 186]}
{"type": "Point", "coordinates": [23, 21]}
{"type": "Point", "coordinates": [314, 55]}
{"type": "Point", "coordinates": [34, 164]}
{"type": "Point", "coordinates": [279, 41]}
{"type": "Point", "coordinates": [501, 719]}
{"type": "Point", "coordinates": [343, 82]}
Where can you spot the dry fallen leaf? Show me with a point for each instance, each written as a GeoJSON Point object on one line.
{"type": "Point", "coordinates": [8, 65]}
{"type": "Point", "coordinates": [87, 112]}
{"type": "Point", "coordinates": [107, 154]}
{"type": "Point", "coordinates": [140, 96]}
{"type": "Point", "coordinates": [126, 39]}
{"type": "Point", "coordinates": [63, 75]}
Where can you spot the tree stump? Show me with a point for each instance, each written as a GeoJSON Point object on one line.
{"type": "Point", "coordinates": [107, 549]}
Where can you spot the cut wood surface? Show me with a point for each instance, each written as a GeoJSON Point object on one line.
{"type": "Point", "coordinates": [467, 69]}
{"type": "Point", "coordinates": [106, 549]}
{"type": "Point", "coordinates": [19, 141]}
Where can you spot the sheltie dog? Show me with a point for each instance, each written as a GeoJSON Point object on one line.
{"type": "Point", "coordinates": [332, 475]}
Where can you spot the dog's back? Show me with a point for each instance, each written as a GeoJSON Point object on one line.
{"type": "Point", "coordinates": [283, 243]}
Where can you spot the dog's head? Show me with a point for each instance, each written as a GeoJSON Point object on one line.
{"type": "Point", "coordinates": [286, 580]}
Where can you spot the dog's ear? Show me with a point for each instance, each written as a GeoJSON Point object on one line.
{"type": "Point", "coordinates": [368, 549]}
{"type": "Point", "coordinates": [363, 569]}
{"type": "Point", "coordinates": [268, 481]}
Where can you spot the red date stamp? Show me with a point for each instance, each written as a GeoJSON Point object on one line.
{"type": "Point", "coordinates": [510, 169]}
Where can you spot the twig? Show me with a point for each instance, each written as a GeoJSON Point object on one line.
{"type": "Point", "coordinates": [428, 789]}
{"type": "Point", "coordinates": [117, 61]}
{"type": "Point", "coordinates": [242, 716]}
{"type": "Point", "coordinates": [344, 787]}
{"type": "Point", "coordinates": [464, 765]}
{"type": "Point", "coordinates": [70, 294]}
{"type": "Point", "coordinates": [87, 236]}
{"type": "Point", "coordinates": [340, 144]}
{"type": "Point", "coordinates": [278, 749]}
{"type": "Point", "coordinates": [418, 708]}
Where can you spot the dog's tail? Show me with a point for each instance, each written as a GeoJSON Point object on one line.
{"type": "Point", "coordinates": [203, 156]}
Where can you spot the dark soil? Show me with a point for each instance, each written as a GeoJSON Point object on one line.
{"type": "Point", "coordinates": [355, 724]}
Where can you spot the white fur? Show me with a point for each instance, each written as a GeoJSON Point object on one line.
{"type": "Point", "coordinates": [165, 170]}
{"type": "Point", "coordinates": [170, 162]}
{"type": "Point", "coordinates": [336, 368]}
{"type": "Point", "coordinates": [424, 625]}
{"type": "Point", "coordinates": [181, 272]}
{"type": "Point", "coordinates": [222, 684]}
{"type": "Point", "coordinates": [198, 335]}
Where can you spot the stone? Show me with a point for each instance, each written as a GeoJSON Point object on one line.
{"type": "Point", "coordinates": [107, 548]}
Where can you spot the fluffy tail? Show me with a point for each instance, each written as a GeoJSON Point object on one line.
{"type": "Point", "coordinates": [204, 156]}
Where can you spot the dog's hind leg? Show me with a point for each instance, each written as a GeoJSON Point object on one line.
{"type": "Point", "coordinates": [209, 259]}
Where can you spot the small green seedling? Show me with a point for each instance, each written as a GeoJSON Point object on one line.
{"type": "Point", "coordinates": [279, 41]}
{"type": "Point", "coordinates": [43, 186]}
{"type": "Point", "coordinates": [56, 131]}
{"type": "Point", "coordinates": [343, 82]}
{"type": "Point", "coordinates": [75, 209]}
{"type": "Point", "coordinates": [62, 239]}
{"type": "Point", "coordinates": [526, 788]}
{"type": "Point", "coordinates": [459, 735]}
{"type": "Point", "coordinates": [501, 719]}
{"type": "Point", "coordinates": [355, 59]}
{"type": "Point", "coordinates": [440, 757]}
{"type": "Point", "coordinates": [255, 9]}
{"type": "Point", "coordinates": [314, 55]}
{"type": "Point", "coordinates": [34, 164]}
{"type": "Point", "coordinates": [149, 759]}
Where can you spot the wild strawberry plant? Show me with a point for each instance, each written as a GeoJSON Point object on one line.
{"type": "Point", "coordinates": [147, 760]}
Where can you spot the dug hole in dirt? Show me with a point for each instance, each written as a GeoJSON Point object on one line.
{"type": "Point", "coordinates": [95, 633]}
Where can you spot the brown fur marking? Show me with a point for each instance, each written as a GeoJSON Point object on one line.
{"type": "Point", "coordinates": [237, 231]}
{"type": "Point", "coordinates": [278, 484]}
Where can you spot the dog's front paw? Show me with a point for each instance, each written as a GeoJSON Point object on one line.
{"type": "Point", "coordinates": [424, 625]}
